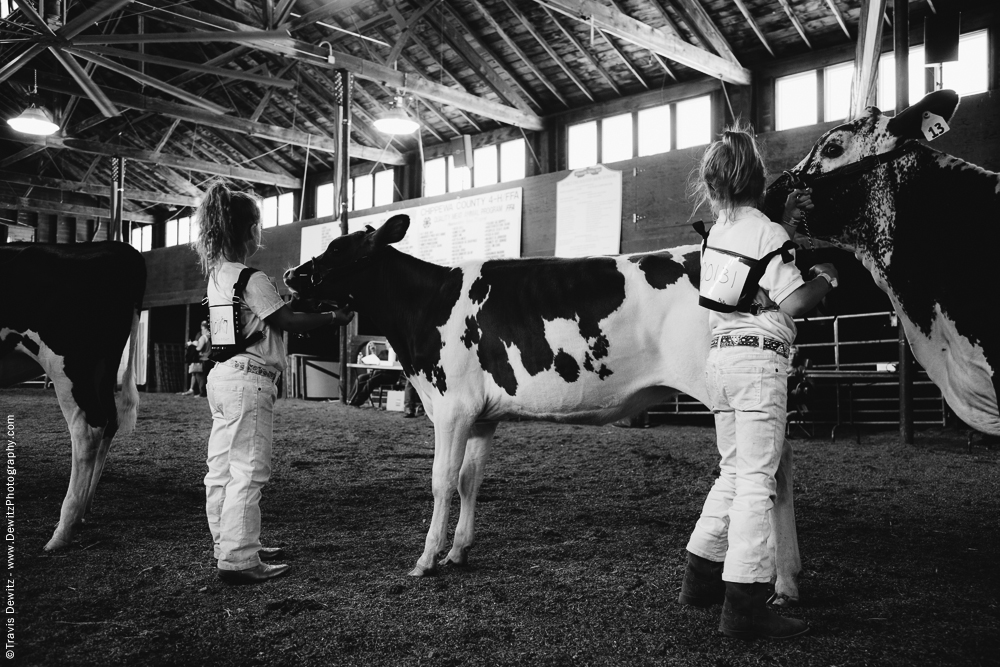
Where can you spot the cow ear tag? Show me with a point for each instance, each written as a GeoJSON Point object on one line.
{"type": "Point", "coordinates": [933, 126]}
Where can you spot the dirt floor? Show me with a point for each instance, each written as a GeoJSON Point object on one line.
{"type": "Point", "coordinates": [579, 555]}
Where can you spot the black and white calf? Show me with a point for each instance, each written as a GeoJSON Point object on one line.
{"type": "Point", "coordinates": [68, 311]}
{"type": "Point", "coordinates": [586, 340]}
{"type": "Point", "coordinates": [927, 227]}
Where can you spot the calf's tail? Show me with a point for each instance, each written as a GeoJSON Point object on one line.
{"type": "Point", "coordinates": [128, 399]}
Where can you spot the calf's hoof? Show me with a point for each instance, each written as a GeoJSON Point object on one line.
{"type": "Point", "coordinates": [459, 558]}
{"type": "Point", "coordinates": [56, 543]}
{"type": "Point", "coordinates": [421, 571]}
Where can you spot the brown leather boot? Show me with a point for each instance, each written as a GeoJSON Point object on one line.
{"type": "Point", "coordinates": [745, 615]}
{"type": "Point", "coordinates": [702, 585]}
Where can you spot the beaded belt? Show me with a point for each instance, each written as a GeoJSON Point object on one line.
{"type": "Point", "coordinates": [751, 341]}
{"type": "Point", "coordinates": [251, 367]}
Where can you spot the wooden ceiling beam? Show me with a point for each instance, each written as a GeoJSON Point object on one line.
{"type": "Point", "coordinates": [568, 71]}
{"type": "Point", "coordinates": [150, 81]}
{"type": "Point", "coordinates": [795, 22]}
{"type": "Point", "coordinates": [252, 37]}
{"type": "Point", "coordinates": [95, 190]}
{"type": "Point", "coordinates": [364, 69]}
{"type": "Point", "coordinates": [239, 125]}
{"type": "Point", "coordinates": [582, 50]}
{"type": "Point", "coordinates": [866, 56]}
{"type": "Point", "coordinates": [656, 56]}
{"type": "Point", "coordinates": [22, 154]}
{"type": "Point", "coordinates": [179, 162]}
{"type": "Point", "coordinates": [512, 43]}
{"type": "Point", "coordinates": [703, 26]}
{"type": "Point", "coordinates": [840, 17]}
{"type": "Point", "coordinates": [322, 12]}
{"type": "Point", "coordinates": [87, 85]}
{"type": "Point", "coordinates": [421, 44]}
{"type": "Point", "coordinates": [60, 208]}
{"type": "Point", "coordinates": [477, 63]}
{"type": "Point", "coordinates": [753, 25]}
{"type": "Point", "coordinates": [653, 39]}
{"type": "Point", "coordinates": [194, 67]}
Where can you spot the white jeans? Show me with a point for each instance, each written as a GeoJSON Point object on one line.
{"type": "Point", "coordinates": [748, 389]}
{"type": "Point", "coordinates": [239, 462]}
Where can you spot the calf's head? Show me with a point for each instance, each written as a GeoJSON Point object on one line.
{"type": "Point", "coordinates": [853, 167]}
{"type": "Point", "coordinates": [332, 276]}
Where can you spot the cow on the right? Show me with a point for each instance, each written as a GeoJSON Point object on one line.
{"type": "Point", "coordinates": [927, 227]}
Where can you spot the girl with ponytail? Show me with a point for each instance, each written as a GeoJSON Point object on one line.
{"type": "Point", "coordinates": [728, 557]}
{"type": "Point", "coordinates": [242, 389]}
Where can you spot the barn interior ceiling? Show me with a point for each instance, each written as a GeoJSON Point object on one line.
{"type": "Point", "coordinates": [190, 90]}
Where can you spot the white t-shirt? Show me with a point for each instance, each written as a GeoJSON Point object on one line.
{"type": "Point", "coordinates": [748, 232]}
{"type": "Point", "coordinates": [260, 299]}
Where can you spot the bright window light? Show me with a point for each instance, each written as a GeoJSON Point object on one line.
{"type": "Point", "coordinates": [4, 8]}
{"type": "Point", "coordinates": [581, 142]}
{"type": "Point", "coordinates": [837, 91]}
{"type": "Point", "coordinates": [459, 178]}
{"type": "Point", "coordinates": [969, 75]}
{"type": "Point", "coordinates": [512, 158]}
{"type": "Point", "coordinates": [694, 122]}
{"type": "Point", "coordinates": [485, 160]}
{"type": "Point", "coordinates": [324, 200]}
{"type": "Point", "coordinates": [269, 212]}
{"type": "Point", "coordinates": [384, 187]}
{"type": "Point", "coordinates": [286, 208]}
{"type": "Point", "coordinates": [350, 194]}
{"type": "Point", "coordinates": [654, 130]}
{"type": "Point", "coordinates": [795, 100]}
{"type": "Point", "coordinates": [435, 177]}
{"type": "Point", "coordinates": [616, 138]}
{"type": "Point", "coordinates": [363, 192]}
{"type": "Point", "coordinates": [171, 233]}
{"type": "Point", "coordinates": [887, 78]}
{"type": "Point", "coordinates": [183, 231]}
{"type": "Point", "coordinates": [142, 237]}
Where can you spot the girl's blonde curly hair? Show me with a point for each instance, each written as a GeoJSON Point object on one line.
{"type": "Point", "coordinates": [732, 171]}
{"type": "Point", "coordinates": [227, 226]}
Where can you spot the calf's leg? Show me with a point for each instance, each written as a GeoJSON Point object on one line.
{"type": "Point", "coordinates": [86, 443]}
{"type": "Point", "coordinates": [784, 540]}
{"type": "Point", "coordinates": [450, 436]}
{"type": "Point", "coordinates": [470, 478]}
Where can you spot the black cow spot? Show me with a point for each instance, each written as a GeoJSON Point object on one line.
{"type": "Point", "coordinates": [520, 296]}
{"type": "Point", "coordinates": [8, 344]}
{"type": "Point", "coordinates": [566, 366]}
{"type": "Point", "coordinates": [471, 335]}
{"type": "Point", "coordinates": [30, 345]}
{"type": "Point", "coordinates": [661, 271]}
{"type": "Point", "coordinates": [604, 372]}
{"type": "Point", "coordinates": [480, 288]}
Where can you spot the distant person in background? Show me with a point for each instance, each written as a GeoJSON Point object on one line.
{"type": "Point", "coordinates": [412, 405]}
{"type": "Point", "coordinates": [371, 380]}
{"type": "Point", "coordinates": [197, 368]}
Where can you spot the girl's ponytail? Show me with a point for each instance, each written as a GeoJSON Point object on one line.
{"type": "Point", "coordinates": [225, 226]}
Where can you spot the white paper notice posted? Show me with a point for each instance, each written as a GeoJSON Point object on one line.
{"type": "Point", "coordinates": [589, 213]}
{"type": "Point", "coordinates": [486, 226]}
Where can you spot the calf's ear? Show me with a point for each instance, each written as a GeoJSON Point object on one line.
{"type": "Point", "coordinates": [906, 125]}
{"type": "Point", "coordinates": [392, 231]}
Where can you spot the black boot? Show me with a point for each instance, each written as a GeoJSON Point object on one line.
{"type": "Point", "coordinates": [745, 615]}
{"type": "Point", "coordinates": [702, 585]}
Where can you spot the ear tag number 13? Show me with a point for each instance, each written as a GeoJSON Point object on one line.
{"type": "Point", "coordinates": [933, 125]}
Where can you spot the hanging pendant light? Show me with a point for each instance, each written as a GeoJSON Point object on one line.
{"type": "Point", "coordinates": [396, 120]}
{"type": "Point", "coordinates": [34, 119]}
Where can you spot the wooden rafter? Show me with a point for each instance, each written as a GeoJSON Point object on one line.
{"type": "Point", "coordinates": [179, 162]}
{"type": "Point", "coordinates": [238, 75]}
{"type": "Point", "coordinates": [705, 28]}
{"type": "Point", "coordinates": [94, 189]}
{"type": "Point", "coordinates": [544, 43]}
{"type": "Point", "coordinates": [753, 25]}
{"type": "Point", "coordinates": [795, 22]}
{"type": "Point", "coordinates": [512, 43]}
{"type": "Point", "coordinates": [656, 56]}
{"type": "Point", "coordinates": [365, 69]}
{"type": "Point", "coordinates": [653, 39]}
{"type": "Point", "coordinates": [59, 208]}
{"type": "Point", "coordinates": [866, 56]}
{"type": "Point", "coordinates": [840, 17]}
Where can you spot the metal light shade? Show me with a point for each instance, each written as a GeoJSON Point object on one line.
{"type": "Point", "coordinates": [396, 121]}
{"type": "Point", "coordinates": [33, 121]}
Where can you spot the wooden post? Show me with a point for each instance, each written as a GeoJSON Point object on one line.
{"type": "Point", "coordinates": [901, 46]}
{"type": "Point", "coordinates": [345, 175]}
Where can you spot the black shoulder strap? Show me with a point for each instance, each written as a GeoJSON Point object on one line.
{"type": "Point", "coordinates": [699, 226]}
{"type": "Point", "coordinates": [757, 272]}
{"type": "Point", "coordinates": [242, 281]}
